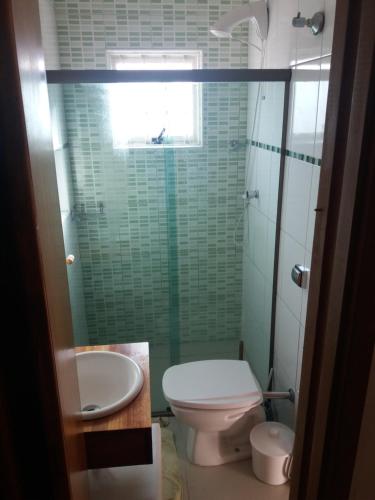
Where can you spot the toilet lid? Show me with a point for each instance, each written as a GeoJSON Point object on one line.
{"type": "Point", "coordinates": [212, 384]}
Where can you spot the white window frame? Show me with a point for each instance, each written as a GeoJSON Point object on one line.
{"type": "Point", "coordinates": [176, 59]}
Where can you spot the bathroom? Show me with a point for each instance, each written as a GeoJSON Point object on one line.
{"type": "Point", "coordinates": [190, 247]}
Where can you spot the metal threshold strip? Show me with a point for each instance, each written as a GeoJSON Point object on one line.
{"type": "Point", "coordinates": [195, 75]}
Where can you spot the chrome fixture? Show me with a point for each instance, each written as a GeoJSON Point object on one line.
{"type": "Point", "coordinates": [235, 144]}
{"type": "Point", "coordinates": [255, 11]}
{"type": "Point", "coordinates": [250, 195]}
{"type": "Point", "coordinates": [299, 275]}
{"type": "Point", "coordinates": [316, 23]}
{"type": "Point", "coordinates": [159, 139]}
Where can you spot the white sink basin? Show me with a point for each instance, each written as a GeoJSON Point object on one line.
{"type": "Point", "coordinates": [107, 381]}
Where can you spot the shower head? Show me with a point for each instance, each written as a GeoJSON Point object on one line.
{"type": "Point", "coordinates": [255, 11]}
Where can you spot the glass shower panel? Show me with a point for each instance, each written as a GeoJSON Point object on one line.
{"type": "Point", "coordinates": [69, 226]}
{"type": "Point", "coordinates": [160, 215]}
{"type": "Point", "coordinates": [261, 219]}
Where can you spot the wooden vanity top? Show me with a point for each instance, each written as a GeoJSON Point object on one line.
{"type": "Point", "coordinates": [123, 438]}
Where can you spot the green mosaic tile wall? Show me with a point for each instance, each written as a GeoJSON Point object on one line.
{"type": "Point", "coordinates": [156, 228]}
{"type": "Point", "coordinates": [87, 28]}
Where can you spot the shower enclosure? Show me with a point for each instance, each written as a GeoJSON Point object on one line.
{"type": "Point", "coordinates": [170, 205]}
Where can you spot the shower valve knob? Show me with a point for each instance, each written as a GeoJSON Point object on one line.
{"type": "Point", "coordinates": [299, 275]}
{"type": "Point", "coordinates": [316, 23]}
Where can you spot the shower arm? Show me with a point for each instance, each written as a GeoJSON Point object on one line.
{"type": "Point", "coordinates": [255, 11]}
{"type": "Point", "coordinates": [245, 42]}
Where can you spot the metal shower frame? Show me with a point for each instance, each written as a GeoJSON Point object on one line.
{"type": "Point", "coordinates": [105, 76]}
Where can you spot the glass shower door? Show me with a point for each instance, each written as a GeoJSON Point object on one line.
{"type": "Point", "coordinates": [163, 227]}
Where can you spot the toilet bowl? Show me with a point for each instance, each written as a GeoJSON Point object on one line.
{"type": "Point", "coordinates": [219, 401]}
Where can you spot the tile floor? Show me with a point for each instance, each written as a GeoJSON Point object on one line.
{"type": "Point", "coordinates": [234, 481]}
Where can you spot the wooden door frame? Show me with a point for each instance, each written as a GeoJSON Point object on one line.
{"type": "Point", "coordinates": [340, 328]}
{"type": "Point", "coordinates": [41, 450]}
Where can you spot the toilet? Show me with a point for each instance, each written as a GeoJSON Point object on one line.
{"type": "Point", "coordinates": [220, 402]}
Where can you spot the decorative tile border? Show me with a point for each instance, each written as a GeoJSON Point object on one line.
{"type": "Point", "coordinates": [172, 249]}
{"type": "Point", "coordinates": [288, 152]}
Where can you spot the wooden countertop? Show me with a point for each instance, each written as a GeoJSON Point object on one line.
{"type": "Point", "coordinates": [123, 438]}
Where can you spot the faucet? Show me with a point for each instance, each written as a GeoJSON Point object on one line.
{"type": "Point", "coordinates": [316, 23]}
{"type": "Point", "coordinates": [159, 139]}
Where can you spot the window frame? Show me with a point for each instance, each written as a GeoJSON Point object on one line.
{"type": "Point", "coordinates": [174, 56]}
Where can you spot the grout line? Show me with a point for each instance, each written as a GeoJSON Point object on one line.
{"type": "Point", "coordinates": [303, 245]}
{"type": "Point", "coordinates": [284, 301]}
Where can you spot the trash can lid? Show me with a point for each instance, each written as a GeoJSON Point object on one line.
{"type": "Point", "coordinates": [272, 439]}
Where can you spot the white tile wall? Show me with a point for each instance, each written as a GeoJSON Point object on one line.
{"type": "Point", "coordinates": [325, 63]}
{"type": "Point", "coordinates": [290, 253]}
{"type": "Point", "coordinates": [305, 135]}
{"type": "Point", "coordinates": [287, 335]}
{"type": "Point", "coordinates": [260, 227]}
{"type": "Point", "coordinates": [308, 45]}
{"type": "Point", "coordinates": [304, 93]}
{"type": "Point", "coordinates": [296, 199]}
{"type": "Point", "coordinates": [281, 43]}
{"type": "Point", "coordinates": [291, 47]}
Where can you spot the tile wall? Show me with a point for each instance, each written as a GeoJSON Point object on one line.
{"type": "Point", "coordinates": [290, 47]}
{"type": "Point", "coordinates": [121, 199]}
{"type": "Point", "coordinates": [63, 173]}
{"type": "Point", "coordinates": [87, 28]}
{"type": "Point", "coordinates": [160, 254]}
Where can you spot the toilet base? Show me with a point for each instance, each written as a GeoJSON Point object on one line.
{"type": "Point", "coordinates": [216, 448]}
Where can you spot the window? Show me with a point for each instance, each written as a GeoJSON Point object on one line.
{"type": "Point", "coordinates": [155, 114]}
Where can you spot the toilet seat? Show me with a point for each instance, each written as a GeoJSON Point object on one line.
{"type": "Point", "coordinates": [212, 385]}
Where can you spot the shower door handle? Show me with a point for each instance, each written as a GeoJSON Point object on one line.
{"type": "Point", "coordinates": [69, 260]}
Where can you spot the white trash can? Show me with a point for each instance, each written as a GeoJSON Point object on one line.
{"type": "Point", "coordinates": [272, 446]}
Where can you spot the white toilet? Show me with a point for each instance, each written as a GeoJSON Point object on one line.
{"type": "Point", "coordinates": [219, 400]}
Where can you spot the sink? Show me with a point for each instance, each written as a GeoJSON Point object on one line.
{"type": "Point", "coordinates": [108, 381]}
